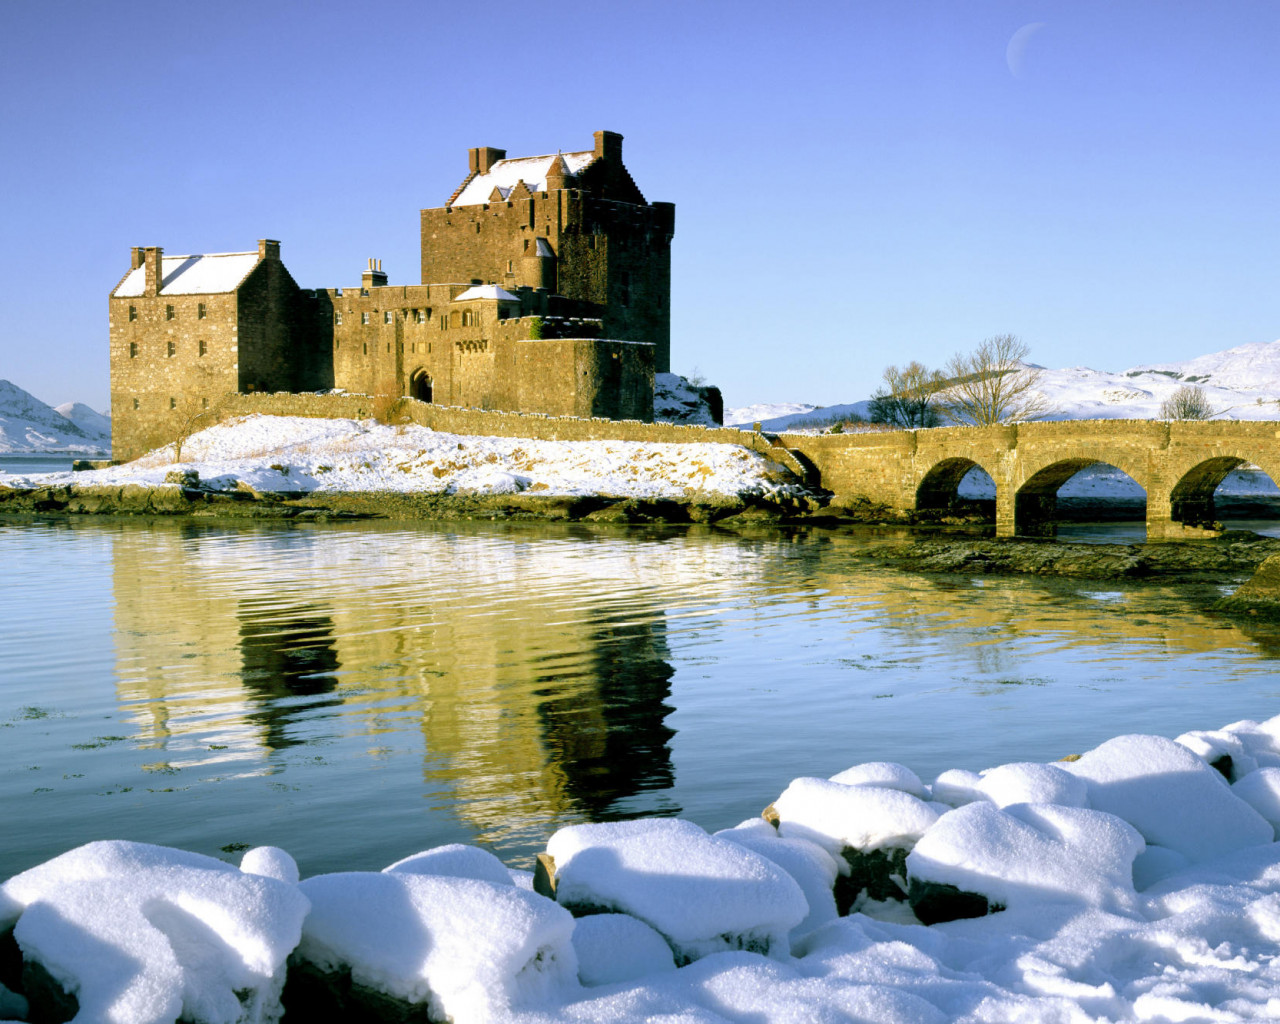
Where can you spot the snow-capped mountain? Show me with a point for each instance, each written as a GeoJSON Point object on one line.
{"type": "Point", "coordinates": [1241, 383]}
{"type": "Point", "coordinates": [27, 425]}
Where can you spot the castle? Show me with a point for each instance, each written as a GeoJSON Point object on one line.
{"type": "Point", "coordinates": [546, 288]}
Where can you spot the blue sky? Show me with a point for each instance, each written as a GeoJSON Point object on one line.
{"type": "Point", "coordinates": [856, 184]}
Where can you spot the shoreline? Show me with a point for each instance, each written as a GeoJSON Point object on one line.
{"type": "Point", "coordinates": [959, 541]}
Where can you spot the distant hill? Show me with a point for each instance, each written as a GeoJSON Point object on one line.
{"type": "Point", "coordinates": [27, 425]}
{"type": "Point", "coordinates": [1241, 383]}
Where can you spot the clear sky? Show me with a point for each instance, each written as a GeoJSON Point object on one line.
{"type": "Point", "coordinates": [855, 183]}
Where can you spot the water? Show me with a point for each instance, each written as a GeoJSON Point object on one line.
{"type": "Point", "coordinates": [38, 463]}
{"type": "Point", "coordinates": [355, 692]}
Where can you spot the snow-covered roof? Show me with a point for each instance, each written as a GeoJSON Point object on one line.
{"type": "Point", "coordinates": [486, 291]}
{"type": "Point", "coordinates": [504, 174]}
{"type": "Point", "coordinates": [205, 274]}
{"type": "Point", "coordinates": [543, 247]}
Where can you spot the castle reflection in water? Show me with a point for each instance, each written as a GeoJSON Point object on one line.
{"type": "Point", "coordinates": [234, 646]}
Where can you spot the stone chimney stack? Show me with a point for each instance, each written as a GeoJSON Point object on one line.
{"type": "Point", "coordinates": [609, 146]}
{"type": "Point", "coordinates": [153, 261]}
{"type": "Point", "coordinates": [373, 277]}
{"type": "Point", "coordinates": [484, 157]}
{"type": "Point", "coordinates": [268, 249]}
{"type": "Point", "coordinates": [135, 257]}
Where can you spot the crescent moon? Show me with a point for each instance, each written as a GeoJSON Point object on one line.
{"type": "Point", "coordinates": [1015, 53]}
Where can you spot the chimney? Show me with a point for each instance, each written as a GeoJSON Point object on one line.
{"type": "Point", "coordinates": [609, 146]}
{"type": "Point", "coordinates": [268, 249]}
{"type": "Point", "coordinates": [484, 157]}
{"type": "Point", "coordinates": [153, 261]}
{"type": "Point", "coordinates": [373, 277]}
{"type": "Point", "coordinates": [135, 257]}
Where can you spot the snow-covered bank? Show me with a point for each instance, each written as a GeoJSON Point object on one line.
{"type": "Point", "coordinates": [1139, 882]}
{"type": "Point", "coordinates": [297, 454]}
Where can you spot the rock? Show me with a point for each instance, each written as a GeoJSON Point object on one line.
{"type": "Point", "coordinates": [12, 1005]}
{"type": "Point", "coordinates": [314, 994]}
{"type": "Point", "coordinates": [186, 478]}
{"type": "Point", "coordinates": [49, 1002]}
{"type": "Point", "coordinates": [881, 874]}
{"type": "Point", "coordinates": [936, 902]}
{"type": "Point", "coordinates": [1259, 595]}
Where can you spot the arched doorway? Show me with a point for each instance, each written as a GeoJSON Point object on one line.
{"type": "Point", "coordinates": [420, 386]}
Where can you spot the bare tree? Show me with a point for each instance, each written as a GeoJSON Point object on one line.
{"type": "Point", "coordinates": [1187, 403]}
{"type": "Point", "coordinates": [196, 411]}
{"type": "Point", "coordinates": [994, 385]}
{"type": "Point", "coordinates": [909, 397]}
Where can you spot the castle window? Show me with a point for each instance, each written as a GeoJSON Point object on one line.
{"type": "Point", "coordinates": [417, 316]}
{"type": "Point", "coordinates": [133, 312]}
{"type": "Point", "coordinates": [168, 312]}
{"type": "Point", "coordinates": [477, 227]}
{"type": "Point", "coordinates": [428, 312]}
{"type": "Point", "coordinates": [388, 346]}
{"type": "Point", "coordinates": [173, 403]}
{"type": "Point", "coordinates": [364, 318]}
{"type": "Point", "coordinates": [204, 402]}
{"type": "Point", "coordinates": [366, 348]}
{"type": "Point", "coordinates": [511, 266]}
{"type": "Point", "coordinates": [173, 348]}
{"type": "Point", "coordinates": [200, 313]}
{"type": "Point", "coordinates": [386, 317]}
{"type": "Point", "coordinates": [337, 317]}
{"type": "Point", "coordinates": [136, 403]}
{"type": "Point", "coordinates": [204, 347]}
{"type": "Point", "coordinates": [133, 350]}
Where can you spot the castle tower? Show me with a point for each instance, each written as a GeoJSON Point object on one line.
{"type": "Point", "coordinates": [575, 222]}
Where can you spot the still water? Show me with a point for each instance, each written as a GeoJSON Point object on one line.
{"type": "Point", "coordinates": [357, 692]}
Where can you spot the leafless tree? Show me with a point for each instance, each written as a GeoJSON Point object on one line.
{"type": "Point", "coordinates": [994, 385]}
{"type": "Point", "coordinates": [909, 397]}
{"type": "Point", "coordinates": [1187, 403]}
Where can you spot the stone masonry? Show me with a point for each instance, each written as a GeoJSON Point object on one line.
{"type": "Point", "coordinates": [546, 288]}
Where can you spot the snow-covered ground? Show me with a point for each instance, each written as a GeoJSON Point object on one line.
{"type": "Point", "coordinates": [281, 453]}
{"type": "Point", "coordinates": [1240, 383]}
{"type": "Point", "coordinates": [1139, 882]}
{"type": "Point", "coordinates": [29, 425]}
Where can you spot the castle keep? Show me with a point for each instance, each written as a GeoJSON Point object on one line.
{"type": "Point", "coordinates": [546, 288]}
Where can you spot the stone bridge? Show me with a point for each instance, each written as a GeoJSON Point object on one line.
{"type": "Point", "coordinates": [1179, 464]}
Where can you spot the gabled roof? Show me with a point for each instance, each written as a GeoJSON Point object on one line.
{"type": "Point", "coordinates": [504, 174]}
{"type": "Point", "coordinates": [486, 291]}
{"type": "Point", "coordinates": [209, 274]}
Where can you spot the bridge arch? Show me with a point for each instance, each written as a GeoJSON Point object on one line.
{"type": "Point", "coordinates": [1191, 499]}
{"type": "Point", "coordinates": [1035, 501]}
{"type": "Point", "coordinates": [941, 482]}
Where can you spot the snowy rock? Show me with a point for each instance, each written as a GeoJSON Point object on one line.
{"type": "Point", "coordinates": [1030, 853]}
{"type": "Point", "coordinates": [957, 787]}
{"type": "Point", "coordinates": [701, 893]}
{"type": "Point", "coordinates": [1023, 783]}
{"type": "Point", "coordinates": [1261, 741]}
{"type": "Point", "coordinates": [456, 861]}
{"type": "Point", "coordinates": [813, 868]}
{"type": "Point", "coordinates": [884, 774]}
{"type": "Point", "coordinates": [863, 817]}
{"type": "Point", "coordinates": [454, 947]}
{"type": "Point", "coordinates": [677, 399]}
{"type": "Point", "coordinates": [1155, 863]}
{"type": "Point", "coordinates": [1169, 795]}
{"type": "Point", "coordinates": [617, 947]}
{"type": "Point", "coordinates": [1222, 750]}
{"type": "Point", "coordinates": [146, 934]}
{"type": "Point", "coordinates": [270, 862]}
{"type": "Point", "coordinates": [1261, 791]}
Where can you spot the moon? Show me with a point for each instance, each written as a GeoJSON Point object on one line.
{"type": "Point", "coordinates": [1015, 54]}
